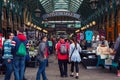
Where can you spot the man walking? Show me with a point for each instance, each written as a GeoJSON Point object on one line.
{"type": "Point", "coordinates": [42, 59]}
{"type": "Point", "coordinates": [20, 44]}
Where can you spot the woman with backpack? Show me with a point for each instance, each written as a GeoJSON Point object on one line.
{"type": "Point", "coordinates": [74, 57]}
{"type": "Point", "coordinates": [62, 55]}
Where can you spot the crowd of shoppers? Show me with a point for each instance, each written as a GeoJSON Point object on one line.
{"type": "Point", "coordinates": [67, 51]}
{"type": "Point", "coordinates": [14, 61]}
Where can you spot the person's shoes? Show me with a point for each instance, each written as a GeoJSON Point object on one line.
{"type": "Point", "coordinates": [77, 77]}
{"type": "Point", "coordinates": [66, 75]}
{"type": "Point", "coordinates": [71, 75]}
{"type": "Point", "coordinates": [118, 74]}
{"type": "Point", "coordinates": [62, 76]}
{"type": "Point", "coordinates": [24, 79]}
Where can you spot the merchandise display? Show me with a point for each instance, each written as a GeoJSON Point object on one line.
{"type": "Point", "coordinates": [89, 59]}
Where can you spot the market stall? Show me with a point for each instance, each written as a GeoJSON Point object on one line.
{"type": "Point", "coordinates": [89, 59]}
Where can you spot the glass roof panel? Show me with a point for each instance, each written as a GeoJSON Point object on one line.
{"type": "Point", "coordinates": [46, 3]}
{"type": "Point", "coordinates": [55, 5]}
{"type": "Point", "coordinates": [42, 2]}
{"type": "Point", "coordinates": [60, 4]}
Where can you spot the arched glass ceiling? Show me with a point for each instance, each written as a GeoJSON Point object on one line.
{"type": "Point", "coordinates": [61, 5]}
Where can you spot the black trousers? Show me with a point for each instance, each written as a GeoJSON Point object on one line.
{"type": "Point", "coordinates": [118, 66]}
{"type": "Point", "coordinates": [63, 67]}
{"type": "Point", "coordinates": [76, 65]}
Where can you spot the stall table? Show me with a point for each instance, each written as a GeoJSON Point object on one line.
{"type": "Point", "coordinates": [89, 59]}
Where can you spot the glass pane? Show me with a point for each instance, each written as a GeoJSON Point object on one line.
{"type": "Point", "coordinates": [54, 5]}
{"type": "Point", "coordinates": [43, 1]}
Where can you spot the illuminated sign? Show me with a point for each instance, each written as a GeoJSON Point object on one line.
{"type": "Point", "coordinates": [61, 13]}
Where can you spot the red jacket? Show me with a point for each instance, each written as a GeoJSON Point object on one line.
{"type": "Point", "coordinates": [60, 56]}
{"type": "Point", "coordinates": [46, 52]}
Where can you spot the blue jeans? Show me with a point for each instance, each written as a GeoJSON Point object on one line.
{"type": "Point", "coordinates": [47, 63]}
{"type": "Point", "coordinates": [19, 65]}
{"type": "Point", "coordinates": [41, 70]}
{"type": "Point", "coordinates": [9, 69]}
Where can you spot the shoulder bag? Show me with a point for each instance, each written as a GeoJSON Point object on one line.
{"type": "Point", "coordinates": [71, 55]}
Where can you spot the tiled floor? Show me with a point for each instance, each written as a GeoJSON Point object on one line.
{"type": "Point", "coordinates": [84, 74]}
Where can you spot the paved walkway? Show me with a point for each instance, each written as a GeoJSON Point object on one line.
{"type": "Point", "coordinates": [84, 74]}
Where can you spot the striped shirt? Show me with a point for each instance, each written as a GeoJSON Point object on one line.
{"type": "Point", "coordinates": [7, 49]}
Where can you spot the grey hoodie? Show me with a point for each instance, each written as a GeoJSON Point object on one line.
{"type": "Point", "coordinates": [41, 51]}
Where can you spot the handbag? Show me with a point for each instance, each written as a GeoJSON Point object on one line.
{"type": "Point", "coordinates": [71, 54]}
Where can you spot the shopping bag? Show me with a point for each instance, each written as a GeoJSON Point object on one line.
{"type": "Point", "coordinates": [108, 61]}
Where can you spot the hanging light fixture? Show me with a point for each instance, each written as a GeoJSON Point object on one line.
{"type": "Point", "coordinates": [93, 4]}
{"type": "Point", "coordinates": [37, 11]}
{"type": "Point", "coordinates": [94, 23]}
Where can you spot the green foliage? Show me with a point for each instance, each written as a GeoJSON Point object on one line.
{"type": "Point", "coordinates": [31, 48]}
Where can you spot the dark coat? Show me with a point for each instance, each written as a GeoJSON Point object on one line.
{"type": "Point", "coordinates": [117, 55]}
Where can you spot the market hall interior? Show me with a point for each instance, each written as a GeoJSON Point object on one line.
{"type": "Point", "coordinates": [86, 20]}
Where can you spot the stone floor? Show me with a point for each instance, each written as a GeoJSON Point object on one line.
{"type": "Point", "coordinates": [84, 74]}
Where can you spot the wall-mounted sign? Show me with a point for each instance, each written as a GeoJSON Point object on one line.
{"type": "Point", "coordinates": [31, 35]}
{"type": "Point", "coordinates": [61, 13]}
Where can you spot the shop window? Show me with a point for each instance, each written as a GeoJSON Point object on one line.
{"type": "Point", "coordinates": [4, 13]}
{"type": "Point", "coordinates": [11, 16]}
{"type": "Point", "coordinates": [112, 18]}
{"type": "Point", "coordinates": [110, 21]}
{"type": "Point", "coordinates": [8, 29]}
{"type": "Point", "coordinates": [105, 18]}
{"type": "Point", "coordinates": [105, 21]}
{"type": "Point", "coordinates": [118, 15]}
{"type": "Point", "coordinates": [9, 20]}
{"type": "Point", "coordinates": [109, 35]}
{"type": "Point", "coordinates": [15, 18]}
{"type": "Point", "coordinates": [110, 3]}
